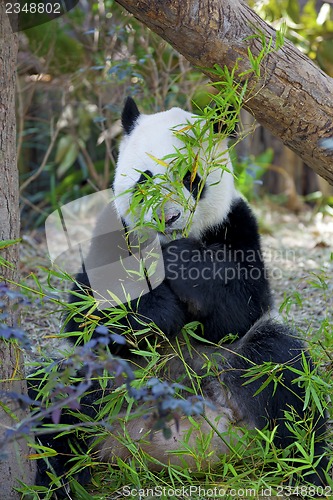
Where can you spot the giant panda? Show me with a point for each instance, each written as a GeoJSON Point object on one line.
{"type": "Point", "coordinates": [215, 277]}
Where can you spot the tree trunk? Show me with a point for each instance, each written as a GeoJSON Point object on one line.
{"type": "Point", "coordinates": [292, 98]}
{"type": "Point", "coordinates": [14, 463]}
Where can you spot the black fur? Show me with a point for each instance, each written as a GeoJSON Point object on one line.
{"type": "Point", "coordinates": [130, 115]}
{"type": "Point", "coordinates": [64, 445]}
{"type": "Point", "coordinates": [268, 341]}
{"type": "Point", "coordinates": [143, 177]}
{"type": "Point", "coordinates": [229, 129]}
{"type": "Point", "coordinates": [160, 307]}
{"type": "Point", "coordinates": [220, 281]}
{"type": "Point", "coordinates": [193, 185]}
{"type": "Point", "coordinates": [222, 278]}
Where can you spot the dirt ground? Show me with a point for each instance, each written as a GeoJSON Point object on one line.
{"type": "Point", "coordinates": [299, 254]}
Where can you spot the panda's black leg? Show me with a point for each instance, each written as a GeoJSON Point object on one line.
{"type": "Point", "coordinates": [59, 467]}
{"type": "Point", "coordinates": [269, 341]}
{"type": "Point", "coordinates": [54, 465]}
{"type": "Point", "coordinates": [60, 464]}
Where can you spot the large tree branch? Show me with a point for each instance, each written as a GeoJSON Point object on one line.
{"type": "Point", "coordinates": [292, 98]}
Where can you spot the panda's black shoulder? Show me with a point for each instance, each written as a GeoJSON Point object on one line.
{"type": "Point", "coordinates": [239, 229]}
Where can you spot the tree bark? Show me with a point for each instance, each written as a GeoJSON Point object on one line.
{"type": "Point", "coordinates": [14, 463]}
{"type": "Point", "coordinates": [292, 97]}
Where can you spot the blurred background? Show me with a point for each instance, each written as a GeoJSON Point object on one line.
{"type": "Point", "coordinates": [75, 72]}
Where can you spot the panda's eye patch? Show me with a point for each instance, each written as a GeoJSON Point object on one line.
{"type": "Point", "coordinates": [193, 185]}
{"type": "Point", "coordinates": [142, 179]}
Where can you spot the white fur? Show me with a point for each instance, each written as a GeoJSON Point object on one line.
{"type": "Point", "coordinates": [188, 439]}
{"type": "Point", "coordinates": [153, 135]}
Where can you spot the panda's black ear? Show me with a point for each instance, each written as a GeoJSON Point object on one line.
{"type": "Point", "coordinates": [129, 115]}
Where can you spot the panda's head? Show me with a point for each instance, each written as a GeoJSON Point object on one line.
{"type": "Point", "coordinates": [170, 177]}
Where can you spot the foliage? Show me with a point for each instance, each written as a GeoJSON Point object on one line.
{"type": "Point", "coordinates": [321, 203]}
{"type": "Point", "coordinates": [249, 172]}
{"type": "Point", "coordinates": [104, 78]}
{"type": "Point", "coordinates": [99, 55]}
{"type": "Point", "coordinates": [120, 58]}
{"type": "Point", "coordinates": [66, 51]}
{"type": "Point", "coordinates": [87, 62]}
{"type": "Point", "coordinates": [308, 26]}
{"type": "Point", "coordinates": [254, 464]}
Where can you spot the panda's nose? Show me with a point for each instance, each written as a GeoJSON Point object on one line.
{"type": "Point", "coordinates": [170, 218]}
